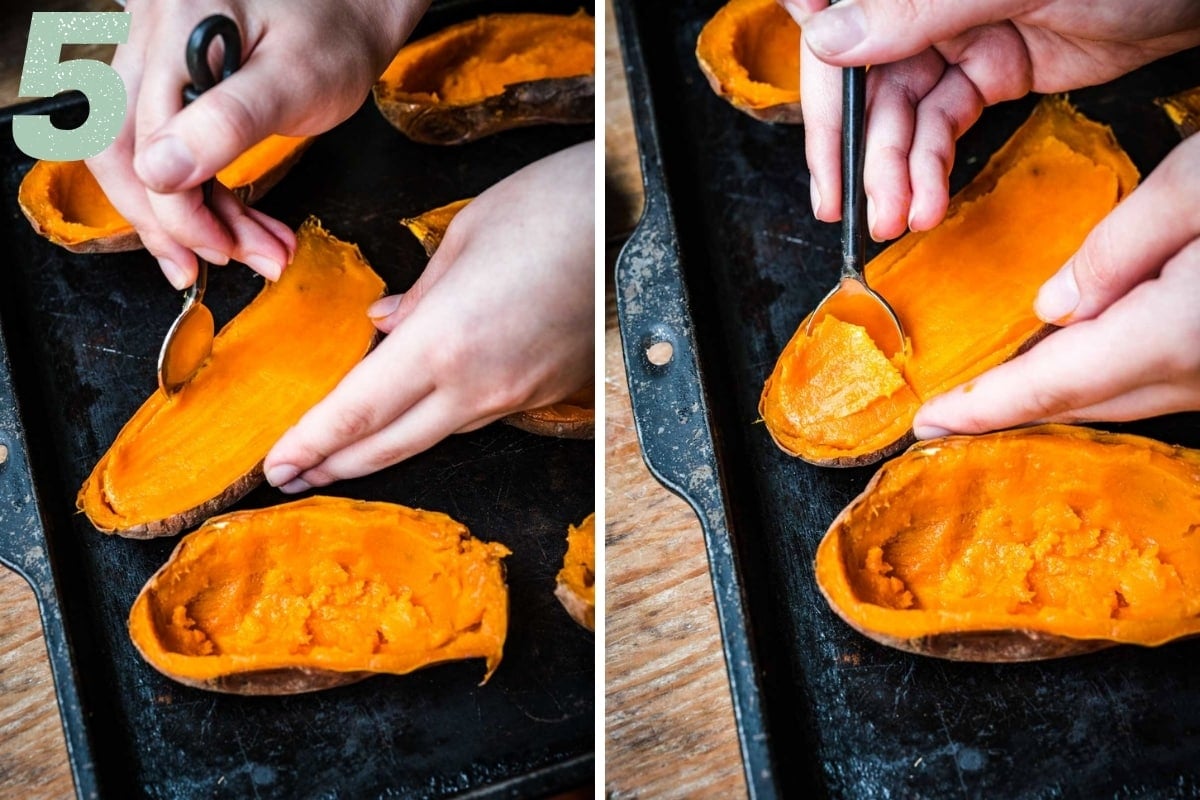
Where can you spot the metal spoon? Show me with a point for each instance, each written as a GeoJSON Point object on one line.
{"type": "Point", "coordinates": [852, 300]}
{"type": "Point", "coordinates": [189, 340]}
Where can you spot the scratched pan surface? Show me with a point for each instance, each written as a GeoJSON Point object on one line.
{"type": "Point", "coordinates": [82, 335]}
{"type": "Point", "coordinates": [725, 265]}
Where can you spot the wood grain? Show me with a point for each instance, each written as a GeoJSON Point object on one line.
{"type": "Point", "coordinates": [669, 725]}
{"type": "Point", "coordinates": [33, 753]}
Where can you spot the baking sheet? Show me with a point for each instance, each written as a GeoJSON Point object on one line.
{"type": "Point", "coordinates": [725, 264]}
{"type": "Point", "coordinates": [82, 335]}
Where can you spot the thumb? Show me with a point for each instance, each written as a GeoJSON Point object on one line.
{"type": "Point", "coordinates": [1128, 246]}
{"type": "Point", "coordinates": [197, 141]}
{"type": "Point", "coordinates": [855, 32]}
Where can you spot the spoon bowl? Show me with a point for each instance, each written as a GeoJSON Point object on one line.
{"type": "Point", "coordinates": [852, 300]}
{"type": "Point", "coordinates": [186, 347]}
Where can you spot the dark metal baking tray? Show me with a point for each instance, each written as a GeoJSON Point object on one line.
{"type": "Point", "coordinates": [80, 336]}
{"type": "Point", "coordinates": [726, 261]}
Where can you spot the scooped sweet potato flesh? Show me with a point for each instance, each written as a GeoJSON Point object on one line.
{"type": "Point", "coordinates": [65, 204]}
{"type": "Point", "coordinates": [576, 581]}
{"type": "Point", "coordinates": [321, 585]}
{"type": "Point", "coordinates": [1054, 530]}
{"type": "Point", "coordinates": [964, 292]}
{"type": "Point", "coordinates": [750, 53]}
{"type": "Point", "coordinates": [273, 361]}
{"type": "Point", "coordinates": [474, 60]}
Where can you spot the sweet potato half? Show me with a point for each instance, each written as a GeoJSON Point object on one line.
{"type": "Point", "coordinates": [575, 585]}
{"type": "Point", "coordinates": [1184, 111]}
{"type": "Point", "coordinates": [65, 204]}
{"type": "Point", "coordinates": [964, 292]}
{"type": "Point", "coordinates": [1026, 544]}
{"type": "Point", "coordinates": [318, 593]}
{"type": "Point", "coordinates": [490, 74]}
{"type": "Point", "coordinates": [573, 417]}
{"type": "Point", "coordinates": [750, 53]}
{"type": "Point", "coordinates": [186, 456]}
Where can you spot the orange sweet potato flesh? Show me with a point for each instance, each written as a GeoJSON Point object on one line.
{"type": "Point", "coordinates": [430, 227]}
{"type": "Point", "coordinates": [964, 292]}
{"type": "Point", "coordinates": [321, 592]}
{"type": "Point", "coordinates": [1184, 111]}
{"type": "Point", "coordinates": [750, 53]}
{"type": "Point", "coordinates": [183, 457]}
{"type": "Point", "coordinates": [490, 74]}
{"type": "Point", "coordinates": [1025, 544]}
{"type": "Point", "coordinates": [65, 204]}
{"type": "Point", "coordinates": [576, 581]}
{"type": "Point", "coordinates": [573, 417]}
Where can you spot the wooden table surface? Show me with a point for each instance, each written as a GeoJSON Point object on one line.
{"type": "Point", "coordinates": [669, 725]}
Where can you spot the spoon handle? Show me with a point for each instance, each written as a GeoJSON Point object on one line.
{"type": "Point", "coordinates": [854, 203]}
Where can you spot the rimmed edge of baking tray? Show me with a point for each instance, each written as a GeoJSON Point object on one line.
{"type": "Point", "coordinates": [672, 413]}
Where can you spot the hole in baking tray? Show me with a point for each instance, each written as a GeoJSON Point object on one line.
{"type": "Point", "coordinates": [660, 353]}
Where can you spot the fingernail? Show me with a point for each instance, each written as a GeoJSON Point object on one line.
{"type": "Point", "coordinates": [281, 474]}
{"type": "Point", "coordinates": [296, 486]}
{"type": "Point", "coordinates": [215, 257]}
{"type": "Point", "coordinates": [176, 274]}
{"type": "Point", "coordinates": [836, 29]}
{"type": "Point", "coordinates": [929, 431]}
{"type": "Point", "coordinates": [871, 217]}
{"type": "Point", "coordinates": [384, 307]}
{"type": "Point", "coordinates": [1058, 296]}
{"type": "Point", "coordinates": [816, 197]}
{"type": "Point", "coordinates": [269, 268]}
{"type": "Point", "coordinates": [165, 163]}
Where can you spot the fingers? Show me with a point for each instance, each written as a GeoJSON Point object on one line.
{"type": "Point", "coordinates": [950, 108]}
{"type": "Point", "coordinates": [854, 32]}
{"type": "Point", "coordinates": [1130, 244]}
{"type": "Point", "coordinates": [426, 423]}
{"type": "Point", "coordinates": [362, 404]}
{"type": "Point", "coordinates": [1108, 365]}
{"type": "Point", "coordinates": [821, 102]}
{"type": "Point", "coordinates": [893, 95]}
{"type": "Point", "coordinates": [222, 230]}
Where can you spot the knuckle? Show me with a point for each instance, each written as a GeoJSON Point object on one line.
{"type": "Point", "coordinates": [1045, 401]}
{"type": "Point", "coordinates": [232, 118]}
{"type": "Point", "coordinates": [353, 422]}
{"type": "Point", "coordinates": [504, 399]}
{"type": "Point", "coordinates": [1095, 269]}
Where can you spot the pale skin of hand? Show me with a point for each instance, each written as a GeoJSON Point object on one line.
{"type": "Point", "coordinates": [1128, 347]}
{"type": "Point", "coordinates": [306, 66]}
{"type": "Point", "coordinates": [501, 320]}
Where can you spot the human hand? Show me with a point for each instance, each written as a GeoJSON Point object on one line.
{"type": "Point", "coordinates": [937, 63]}
{"type": "Point", "coordinates": [501, 320]}
{"type": "Point", "coordinates": [306, 67]}
{"type": "Point", "coordinates": [1128, 299]}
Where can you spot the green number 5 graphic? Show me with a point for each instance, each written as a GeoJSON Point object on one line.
{"type": "Point", "coordinates": [45, 75]}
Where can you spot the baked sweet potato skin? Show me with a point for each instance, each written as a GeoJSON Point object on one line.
{"type": "Point", "coordinates": [1006, 233]}
{"type": "Point", "coordinates": [749, 52]}
{"type": "Point", "coordinates": [182, 458]}
{"type": "Point", "coordinates": [575, 583]}
{"type": "Point", "coordinates": [491, 74]}
{"type": "Point", "coordinates": [56, 196]}
{"type": "Point", "coordinates": [321, 592]}
{"type": "Point", "coordinates": [1004, 547]}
